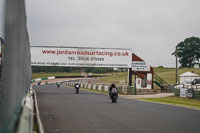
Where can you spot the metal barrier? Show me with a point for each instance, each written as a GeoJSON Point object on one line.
{"type": "Point", "coordinates": [121, 89]}
{"type": "Point", "coordinates": [16, 68]}
{"type": "Point", "coordinates": [1, 55]}
{"type": "Point", "coordinates": [194, 87]}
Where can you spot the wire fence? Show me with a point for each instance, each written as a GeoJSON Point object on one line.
{"type": "Point", "coordinates": [16, 68]}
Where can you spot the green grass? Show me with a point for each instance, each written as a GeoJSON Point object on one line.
{"type": "Point", "coordinates": [190, 103]}
{"type": "Point", "coordinates": [169, 74]}
{"type": "Point", "coordinates": [40, 75]}
{"type": "Point", "coordinates": [116, 77]}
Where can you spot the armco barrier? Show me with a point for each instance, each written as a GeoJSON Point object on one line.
{"type": "Point", "coordinates": [25, 124]}
{"type": "Point", "coordinates": [38, 79]}
{"type": "Point", "coordinates": [51, 77]}
{"type": "Point", "coordinates": [106, 88]}
{"type": "Point", "coordinates": [89, 86]}
{"type": "Point", "coordinates": [124, 90]}
{"type": "Point", "coordinates": [43, 78]}
{"type": "Point", "coordinates": [94, 87]}
{"type": "Point", "coordinates": [100, 88]}
{"type": "Point", "coordinates": [16, 66]}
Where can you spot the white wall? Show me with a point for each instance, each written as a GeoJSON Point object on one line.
{"type": "Point", "coordinates": [196, 65]}
{"type": "Point", "coordinates": [184, 79]}
{"type": "Point", "coordinates": [138, 83]}
{"type": "Point", "coordinates": [148, 82]}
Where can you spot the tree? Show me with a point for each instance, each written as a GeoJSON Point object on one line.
{"type": "Point", "coordinates": [188, 51]}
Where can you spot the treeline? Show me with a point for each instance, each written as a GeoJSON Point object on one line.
{"type": "Point", "coordinates": [50, 69]}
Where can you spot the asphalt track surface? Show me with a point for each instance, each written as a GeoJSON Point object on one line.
{"type": "Point", "coordinates": [63, 111]}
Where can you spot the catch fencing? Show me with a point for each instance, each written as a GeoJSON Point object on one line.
{"type": "Point", "coordinates": [16, 68]}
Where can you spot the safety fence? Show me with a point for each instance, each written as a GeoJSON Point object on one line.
{"type": "Point", "coordinates": [16, 102]}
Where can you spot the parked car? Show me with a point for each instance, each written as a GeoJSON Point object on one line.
{"type": "Point", "coordinates": [188, 83]}
{"type": "Point", "coordinates": [195, 81]}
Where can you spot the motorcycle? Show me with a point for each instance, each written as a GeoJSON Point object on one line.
{"type": "Point", "coordinates": [58, 84]}
{"type": "Point", "coordinates": [114, 95]}
{"type": "Point", "coordinates": [39, 83]}
{"type": "Point", "coordinates": [77, 86]}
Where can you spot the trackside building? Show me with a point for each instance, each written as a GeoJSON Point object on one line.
{"type": "Point", "coordinates": [143, 71]}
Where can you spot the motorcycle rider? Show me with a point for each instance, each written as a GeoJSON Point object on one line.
{"type": "Point", "coordinates": [77, 86]}
{"type": "Point", "coordinates": [110, 89]}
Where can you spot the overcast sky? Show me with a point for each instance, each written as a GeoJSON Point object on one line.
{"type": "Point", "coordinates": [151, 28]}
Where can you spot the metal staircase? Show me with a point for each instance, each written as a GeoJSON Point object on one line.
{"type": "Point", "coordinates": [160, 82]}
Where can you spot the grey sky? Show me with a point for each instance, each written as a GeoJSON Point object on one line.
{"type": "Point", "coordinates": [151, 28]}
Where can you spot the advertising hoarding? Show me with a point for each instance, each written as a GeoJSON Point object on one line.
{"type": "Point", "coordinates": [140, 66]}
{"type": "Point", "coordinates": [183, 92]}
{"type": "Point", "coordinates": [81, 57]}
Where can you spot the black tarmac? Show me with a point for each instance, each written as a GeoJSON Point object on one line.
{"type": "Point", "coordinates": [63, 111]}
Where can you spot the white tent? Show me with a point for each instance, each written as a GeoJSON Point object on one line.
{"type": "Point", "coordinates": [187, 77]}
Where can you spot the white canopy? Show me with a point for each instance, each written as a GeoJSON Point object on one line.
{"type": "Point", "coordinates": [189, 74]}
{"type": "Point", "coordinates": [187, 77]}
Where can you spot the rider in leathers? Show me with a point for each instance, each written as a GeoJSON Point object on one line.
{"type": "Point", "coordinates": [110, 88]}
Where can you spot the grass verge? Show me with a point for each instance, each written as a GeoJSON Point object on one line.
{"type": "Point", "coordinates": [174, 100]}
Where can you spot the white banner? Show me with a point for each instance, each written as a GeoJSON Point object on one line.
{"type": "Point", "coordinates": [140, 66]}
{"type": "Point", "coordinates": [183, 92]}
{"type": "Point", "coordinates": [81, 57]}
